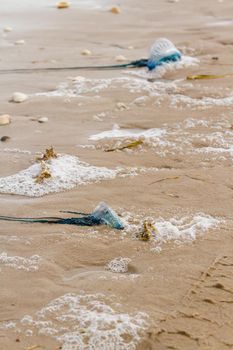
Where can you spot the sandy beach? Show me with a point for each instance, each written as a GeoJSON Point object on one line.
{"type": "Point", "coordinates": [58, 290]}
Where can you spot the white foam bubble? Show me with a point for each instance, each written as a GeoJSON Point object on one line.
{"type": "Point", "coordinates": [84, 87]}
{"type": "Point", "coordinates": [118, 265]}
{"type": "Point", "coordinates": [7, 325]}
{"type": "Point", "coordinates": [220, 23]}
{"type": "Point", "coordinates": [67, 172]}
{"type": "Point", "coordinates": [186, 228]}
{"type": "Point", "coordinates": [84, 322]}
{"type": "Point", "coordinates": [213, 138]}
{"type": "Point", "coordinates": [179, 229]}
{"type": "Point", "coordinates": [20, 263]}
{"type": "Point", "coordinates": [131, 133]}
{"type": "Point", "coordinates": [15, 239]}
{"type": "Point", "coordinates": [150, 83]}
{"type": "Point", "coordinates": [203, 103]}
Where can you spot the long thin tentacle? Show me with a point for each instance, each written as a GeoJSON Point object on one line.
{"type": "Point", "coordinates": [133, 64]}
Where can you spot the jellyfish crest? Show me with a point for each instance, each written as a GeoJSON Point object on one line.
{"type": "Point", "coordinates": [162, 51]}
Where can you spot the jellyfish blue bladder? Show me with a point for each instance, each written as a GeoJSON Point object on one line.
{"type": "Point", "coordinates": [162, 51]}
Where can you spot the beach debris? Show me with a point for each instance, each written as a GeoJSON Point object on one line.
{"type": "Point", "coordinates": [148, 231]}
{"type": "Point", "coordinates": [5, 119]}
{"type": "Point", "coordinates": [102, 215]}
{"type": "Point", "coordinates": [171, 195]}
{"type": "Point", "coordinates": [120, 58]}
{"type": "Point", "coordinates": [33, 347]}
{"type": "Point", "coordinates": [86, 52]}
{"type": "Point", "coordinates": [63, 5]}
{"type": "Point", "coordinates": [115, 9]}
{"type": "Point", "coordinates": [165, 179]}
{"type": "Point", "coordinates": [130, 145]}
{"type": "Point", "coordinates": [205, 76]}
{"type": "Point", "coordinates": [20, 42]}
{"type": "Point", "coordinates": [118, 265]}
{"type": "Point", "coordinates": [19, 97]}
{"type": "Point", "coordinates": [5, 138]}
{"type": "Point", "coordinates": [7, 29]}
{"type": "Point", "coordinates": [43, 120]}
{"type": "Point", "coordinates": [49, 154]}
{"type": "Point", "coordinates": [44, 173]}
{"type": "Point", "coordinates": [121, 106]}
{"type": "Point", "coordinates": [140, 101]}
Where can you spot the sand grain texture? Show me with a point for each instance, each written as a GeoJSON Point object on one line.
{"type": "Point", "coordinates": [184, 289]}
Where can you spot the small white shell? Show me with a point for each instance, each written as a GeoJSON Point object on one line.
{"type": "Point", "coordinates": [115, 9]}
{"type": "Point", "coordinates": [86, 52]}
{"type": "Point", "coordinates": [43, 120]}
{"type": "Point", "coordinates": [20, 42]}
{"type": "Point", "coordinates": [120, 58]}
{"type": "Point", "coordinates": [19, 97]}
{"type": "Point", "coordinates": [7, 29]}
{"type": "Point", "coordinates": [5, 119]}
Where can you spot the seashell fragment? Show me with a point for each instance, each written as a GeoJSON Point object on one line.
{"type": "Point", "coordinates": [5, 119]}
{"type": "Point", "coordinates": [115, 9]}
{"type": "Point", "coordinates": [7, 29]}
{"type": "Point", "coordinates": [5, 138]}
{"type": "Point", "coordinates": [20, 42]}
{"type": "Point", "coordinates": [120, 58]}
{"type": "Point", "coordinates": [86, 52]}
{"type": "Point", "coordinates": [121, 106]}
{"type": "Point", "coordinates": [63, 5]}
{"type": "Point", "coordinates": [18, 97]}
{"type": "Point", "coordinates": [43, 120]}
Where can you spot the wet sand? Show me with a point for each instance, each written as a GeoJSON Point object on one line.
{"type": "Point", "coordinates": [185, 289]}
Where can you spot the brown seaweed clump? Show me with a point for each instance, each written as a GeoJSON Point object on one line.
{"type": "Point", "coordinates": [49, 154]}
{"type": "Point", "coordinates": [44, 173]}
{"type": "Point", "coordinates": [148, 231]}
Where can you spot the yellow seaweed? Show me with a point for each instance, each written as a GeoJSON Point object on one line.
{"type": "Point", "coordinates": [148, 231]}
{"type": "Point", "coordinates": [44, 174]}
{"type": "Point", "coordinates": [49, 154]}
{"type": "Point", "coordinates": [128, 146]}
{"type": "Point", "coordinates": [63, 5]}
{"type": "Point", "coordinates": [205, 76]}
{"type": "Point", "coordinates": [34, 347]}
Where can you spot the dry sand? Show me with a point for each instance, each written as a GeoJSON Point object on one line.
{"type": "Point", "coordinates": [186, 290]}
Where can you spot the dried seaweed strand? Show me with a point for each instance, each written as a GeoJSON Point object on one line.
{"type": "Point", "coordinates": [128, 146]}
